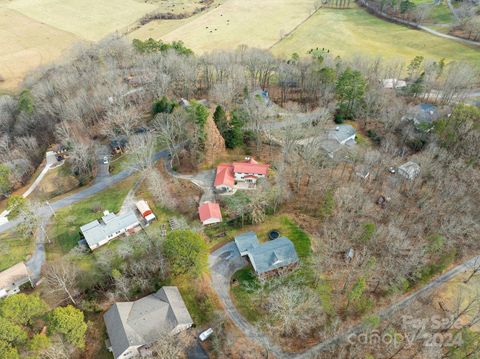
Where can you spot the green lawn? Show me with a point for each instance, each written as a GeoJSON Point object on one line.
{"type": "Point", "coordinates": [246, 289]}
{"type": "Point", "coordinates": [439, 14]}
{"type": "Point", "coordinates": [354, 31]}
{"type": "Point", "coordinates": [64, 232]}
{"type": "Point", "coordinates": [14, 249]}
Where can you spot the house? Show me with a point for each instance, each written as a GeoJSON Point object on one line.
{"type": "Point", "coordinates": [13, 278]}
{"type": "Point", "coordinates": [133, 326]}
{"type": "Point", "coordinates": [209, 213]}
{"type": "Point", "coordinates": [423, 114]}
{"type": "Point", "coordinates": [145, 210]}
{"type": "Point", "coordinates": [409, 170]}
{"type": "Point", "coordinates": [100, 232]}
{"type": "Point", "coordinates": [267, 258]}
{"type": "Point", "coordinates": [394, 84]}
{"type": "Point", "coordinates": [239, 175]}
{"type": "Point", "coordinates": [343, 134]}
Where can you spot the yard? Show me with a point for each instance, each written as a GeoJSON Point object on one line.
{"type": "Point", "coordinates": [64, 231]}
{"type": "Point", "coordinates": [246, 289]}
{"type": "Point", "coordinates": [14, 249]}
{"type": "Point", "coordinates": [354, 31]}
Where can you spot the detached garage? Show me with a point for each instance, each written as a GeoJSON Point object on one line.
{"type": "Point", "coordinates": [209, 213]}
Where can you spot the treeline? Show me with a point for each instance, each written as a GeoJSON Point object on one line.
{"type": "Point", "coordinates": [105, 90]}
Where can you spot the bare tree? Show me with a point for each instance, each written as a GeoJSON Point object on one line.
{"type": "Point", "coordinates": [61, 277]}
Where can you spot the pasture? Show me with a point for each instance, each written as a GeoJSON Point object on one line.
{"type": "Point", "coordinates": [241, 22]}
{"type": "Point", "coordinates": [25, 44]}
{"type": "Point", "coordinates": [354, 31]}
{"type": "Point", "coordinates": [88, 19]}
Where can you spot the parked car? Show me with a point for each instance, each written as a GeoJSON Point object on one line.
{"type": "Point", "coordinates": [105, 160]}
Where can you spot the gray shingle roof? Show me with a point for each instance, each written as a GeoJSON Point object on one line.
{"type": "Point", "coordinates": [273, 255]}
{"type": "Point", "coordinates": [97, 231]}
{"type": "Point", "coordinates": [145, 320]}
{"type": "Point", "coordinates": [342, 132]}
{"type": "Point", "coordinates": [246, 241]}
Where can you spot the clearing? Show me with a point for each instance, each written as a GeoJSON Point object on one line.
{"type": "Point", "coordinates": [88, 19]}
{"type": "Point", "coordinates": [355, 31]}
{"type": "Point", "coordinates": [26, 43]}
{"type": "Point", "coordinates": [238, 22]}
{"type": "Point", "coordinates": [14, 249]}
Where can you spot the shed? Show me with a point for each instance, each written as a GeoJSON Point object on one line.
{"type": "Point", "coordinates": [209, 213]}
{"type": "Point", "coordinates": [409, 170]}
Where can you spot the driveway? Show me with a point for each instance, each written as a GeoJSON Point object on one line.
{"type": "Point", "coordinates": [223, 263]}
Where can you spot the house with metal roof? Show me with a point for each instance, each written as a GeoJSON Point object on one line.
{"type": "Point", "coordinates": [239, 175]}
{"type": "Point", "coordinates": [269, 257]}
{"type": "Point", "coordinates": [409, 170]}
{"type": "Point", "coordinates": [209, 213]}
{"type": "Point", "coordinates": [13, 278]}
{"type": "Point", "coordinates": [133, 326]}
{"type": "Point", "coordinates": [101, 231]}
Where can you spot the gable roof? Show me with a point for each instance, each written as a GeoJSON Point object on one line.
{"type": "Point", "coordinates": [273, 255]}
{"type": "Point", "coordinates": [16, 273]}
{"type": "Point", "coordinates": [145, 320]}
{"type": "Point", "coordinates": [209, 210]}
{"type": "Point", "coordinates": [342, 132]}
{"type": "Point", "coordinates": [224, 175]}
{"type": "Point", "coordinates": [96, 231]}
{"type": "Point", "coordinates": [246, 241]}
{"type": "Point", "coordinates": [250, 166]}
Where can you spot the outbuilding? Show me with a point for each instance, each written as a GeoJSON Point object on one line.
{"type": "Point", "coordinates": [209, 213]}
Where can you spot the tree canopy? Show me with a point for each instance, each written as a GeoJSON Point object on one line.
{"type": "Point", "coordinates": [22, 309]}
{"type": "Point", "coordinates": [186, 251]}
{"type": "Point", "coordinates": [69, 321]}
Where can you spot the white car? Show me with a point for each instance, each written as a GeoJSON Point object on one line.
{"type": "Point", "coordinates": [105, 160]}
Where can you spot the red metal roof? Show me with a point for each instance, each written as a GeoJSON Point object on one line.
{"type": "Point", "coordinates": [224, 175]}
{"type": "Point", "coordinates": [208, 210]}
{"type": "Point", "coordinates": [250, 166]}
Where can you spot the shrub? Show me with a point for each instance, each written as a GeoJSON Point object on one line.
{"type": "Point", "coordinates": [69, 321]}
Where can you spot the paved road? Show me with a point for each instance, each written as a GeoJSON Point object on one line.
{"type": "Point", "coordinates": [38, 258]}
{"type": "Point", "coordinates": [226, 260]}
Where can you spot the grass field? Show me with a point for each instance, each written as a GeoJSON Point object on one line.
{"type": "Point", "coordinates": [354, 31]}
{"type": "Point", "coordinates": [236, 22]}
{"type": "Point", "coordinates": [13, 249]}
{"type": "Point", "coordinates": [88, 19]}
{"type": "Point", "coordinates": [65, 227]}
{"type": "Point", "coordinates": [26, 43]}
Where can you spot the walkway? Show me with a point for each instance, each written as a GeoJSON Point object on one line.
{"type": "Point", "coordinates": [225, 261]}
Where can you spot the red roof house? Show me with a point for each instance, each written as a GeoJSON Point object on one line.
{"type": "Point", "coordinates": [209, 213]}
{"type": "Point", "coordinates": [239, 175]}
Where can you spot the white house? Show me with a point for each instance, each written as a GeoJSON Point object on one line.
{"type": "Point", "coordinates": [343, 134]}
{"type": "Point", "coordinates": [100, 232]}
{"type": "Point", "coordinates": [13, 278]}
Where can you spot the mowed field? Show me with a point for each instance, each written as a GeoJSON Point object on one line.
{"type": "Point", "coordinates": [236, 22]}
{"type": "Point", "coordinates": [88, 19]}
{"type": "Point", "coordinates": [26, 44]}
{"type": "Point", "coordinates": [354, 31]}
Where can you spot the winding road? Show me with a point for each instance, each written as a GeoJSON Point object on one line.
{"type": "Point", "coordinates": [101, 183]}
{"type": "Point", "coordinates": [225, 261]}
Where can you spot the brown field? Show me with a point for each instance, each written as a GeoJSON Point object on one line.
{"type": "Point", "coordinates": [237, 22]}
{"type": "Point", "coordinates": [26, 44]}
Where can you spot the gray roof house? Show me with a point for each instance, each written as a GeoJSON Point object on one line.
{"type": "Point", "coordinates": [343, 134]}
{"type": "Point", "coordinates": [99, 232]}
{"type": "Point", "coordinates": [266, 257]}
{"type": "Point", "coordinates": [409, 170]}
{"type": "Point", "coordinates": [134, 325]}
